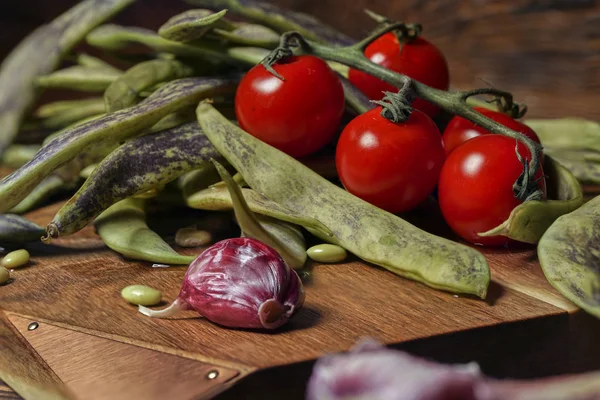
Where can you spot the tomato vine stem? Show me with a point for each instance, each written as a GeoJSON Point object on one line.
{"type": "Point", "coordinates": [451, 102]}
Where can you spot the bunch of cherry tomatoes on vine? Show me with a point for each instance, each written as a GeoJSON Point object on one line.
{"type": "Point", "coordinates": [394, 166]}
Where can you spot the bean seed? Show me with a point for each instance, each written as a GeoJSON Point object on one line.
{"type": "Point", "coordinates": [4, 275]}
{"type": "Point", "coordinates": [192, 237]}
{"type": "Point", "coordinates": [327, 253]}
{"type": "Point", "coordinates": [15, 259]}
{"type": "Point", "coordinates": [141, 295]}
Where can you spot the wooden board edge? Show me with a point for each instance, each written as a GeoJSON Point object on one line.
{"type": "Point", "coordinates": [23, 370]}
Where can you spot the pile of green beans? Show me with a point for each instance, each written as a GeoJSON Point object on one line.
{"type": "Point", "coordinates": [145, 137]}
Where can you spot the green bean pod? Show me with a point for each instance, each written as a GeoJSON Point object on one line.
{"type": "Point", "coordinates": [15, 229]}
{"type": "Point", "coordinates": [19, 154]}
{"type": "Point", "coordinates": [49, 110]}
{"type": "Point", "coordinates": [569, 253]}
{"type": "Point", "coordinates": [370, 233]}
{"type": "Point", "coordinates": [123, 228]}
{"type": "Point", "coordinates": [109, 129]}
{"type": "Point", "coordinates": [67, 117]}
{"type": "Point", "coordinates": [574, 142]}
{"type": "Point", "coordinates": [115, 37]}
{"type": "Point", "coordinates": [39, 54]}
{"type": "Point", "coordinates": [86, 60]}
{"type": "Point", "coordinates": [124, 91]}
{"type": "Point", "coordinates": [50, 186]}
{"type": "Point", "coordinates": [139, 165]}
{"type": "Point", "coordinates": [280, 20]}
{"type": "Point", "coordinates": [217, 198]}
{"type": "Point", "coordinates": [284, 239]}
{"type": "Point", "coordinates": [85, 79]}
{"type": "Point", "coordinates": [248, 35]}
{"type": "Point", "coordinates": [528, 221]}
{"type": "Point", "coordinates": [193, 24]}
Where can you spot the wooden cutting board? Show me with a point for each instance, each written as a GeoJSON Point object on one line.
{"type": "Point", "coordinates": [65, 321]}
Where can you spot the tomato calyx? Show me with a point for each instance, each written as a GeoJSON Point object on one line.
{"type": "Point", "coordinates": [278, 55]}
{"type": "Point", "coordinates": [526, 188]}
{"type": "Point", "coordinates": [396, 107]}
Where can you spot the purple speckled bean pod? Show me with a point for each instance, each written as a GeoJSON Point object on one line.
{"type": "Point", "coordinates": [114, 128]}
{"type": "Point", "coordinates": [141, 164]}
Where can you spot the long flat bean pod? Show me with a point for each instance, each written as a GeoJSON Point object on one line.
{"type": "Point", "coordinates": [142, 164]}
{"type": "Point", "coordinates": [249, 35]}
{"type": "Point", "coordinates": [284, 240]}
{"type": "Point", "coordinates": [367, 231]}
{"type": "Point", "coordinates": [115, 37]}
{"type": "Point", "coordinates": [281, 20]}
{"type": "Point", "coordinates": [85, 79]}
{"type": "Point", "coordinates": [50, 186]}
{"type": "Point", "coordinates": [66, 117]}
{"type": "Point", "coordinates": [58, 107]}
{"type": "Point", "coordinates": [123, 228]}
{"type": "Point", "coordinates": [15, 229]}
{"type": "Point", "coordinates": [217, 198]}
{"type": "Point", "coordinates": [193, 24]}
{"type": "Point", "coordinates": [18, 154]}
{"type": "Point", "coordinates": [528, 221]}
{"type": "Point", "coordinates": [569, 254]}
{"type": "Point", "coordinates": [110, 128]}
{"type": "Point", "coordinates": [124, 91]}
{"type": "Point", "coordinates": [39, 54]}
{"type": "Point", "coordinates": [574, 142]}
{"type": "Point", "coordinates": [87, 60]}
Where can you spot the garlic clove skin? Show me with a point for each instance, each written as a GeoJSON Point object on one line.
{"type": "Point", "coordinates": [242, 283]}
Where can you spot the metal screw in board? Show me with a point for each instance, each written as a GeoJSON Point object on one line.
{"type": "Point", "coordinates": [33, 326]}
{"type": "Point", "coordinates": [212, 374]}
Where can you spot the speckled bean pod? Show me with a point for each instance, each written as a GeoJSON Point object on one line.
{"type": "Point", "coordinates": [139, 165]}
{"type": "Point", "coordinates": [111, 128]}
{"type": "Point", "coordinates": [361, 228]}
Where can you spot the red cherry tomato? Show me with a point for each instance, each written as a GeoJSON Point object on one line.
{"type": "Point", "coordinates": [459, 130]}
{"type": "Point", "coordinates": [475, 190]}
{"type": "Point", "coordinates": [418, 59]}
{"type": "Point", "coordinates": [297, 115]}
{"type": "Point", "coordinates": [393, 166]}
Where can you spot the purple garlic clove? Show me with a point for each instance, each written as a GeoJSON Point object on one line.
{"type": "Point", "coordinates": [238, 283]}
{"type": "Point", "coordinates": [371, 371]}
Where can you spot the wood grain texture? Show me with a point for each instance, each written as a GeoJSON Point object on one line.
{"type": "Point", "coordinates": [121, 371]}
{"type": "Point", "coordinates": [344, 303]}
{"type": "Point", "coordinates": [23, 370]}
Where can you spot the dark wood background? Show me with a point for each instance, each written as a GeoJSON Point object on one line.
{"type": "Point", "coordinates": [547, 52]}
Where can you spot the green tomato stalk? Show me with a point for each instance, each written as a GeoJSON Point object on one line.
{"type": "Point", "coordinates": [525, 188]}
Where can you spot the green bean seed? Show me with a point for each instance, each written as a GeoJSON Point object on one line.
{"type": "Point", "coordinates": [361, 228]}
{"type": "Point", "coordinates": [192, 237]}
{"type": "Point", "coordinates": [327, 253]}
{"type": "Point", "coordinates": [15, 259]}
{"type": "Point", "coordinates": [141, 295]}
{"type": "Point", "coordinates": [4, 275]}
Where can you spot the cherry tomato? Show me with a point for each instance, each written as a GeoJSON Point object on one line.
{"type": "Point", "coordinates": [459, 130]}
{"type": "Point", "coordinates": [394, 166]}
{"type": "Point", "coordinates": [297, 115]}
{"type": "Point", "coordinates": [475, 190]}
{"type": "Point", "coordinates": [418, 59]}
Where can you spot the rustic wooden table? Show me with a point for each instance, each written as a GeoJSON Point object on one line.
{"type": "Point", "coordinates": [88, 338]}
